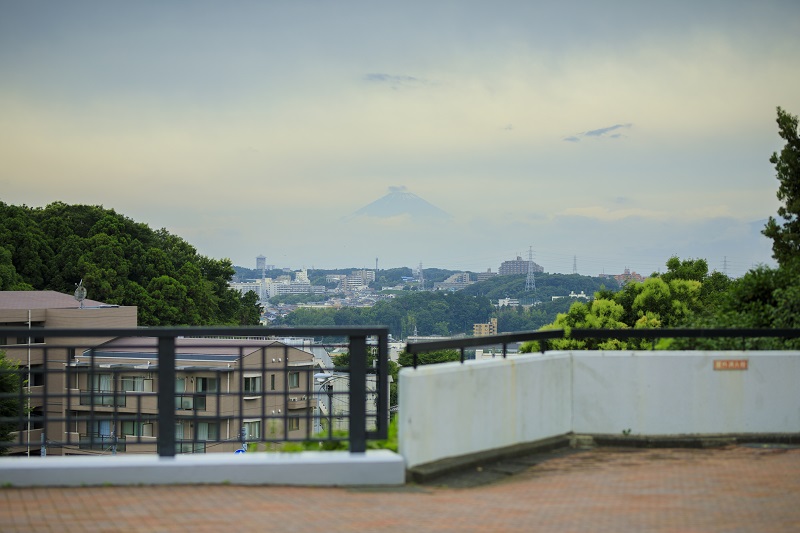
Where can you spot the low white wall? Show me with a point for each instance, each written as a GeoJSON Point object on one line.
{"type": "Point", "coordinates": [680, 393]}
{"type": "Point", "coordinates": [450, 409]}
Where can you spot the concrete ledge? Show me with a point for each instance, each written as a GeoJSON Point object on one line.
{"type": "Point", "coordinates": [427, 472]}
{"type": "Point", "coordinates": [375, 467]}
{"type": "Point", "coordinates": [693, 441]}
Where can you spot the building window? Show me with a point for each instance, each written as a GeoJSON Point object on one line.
{"type": "Point", "coordinates": [252, 429]}
{"type": "Point", "coordinates": [294, 423]}
{"type": "Point", "coordinates": [137, 429]}
{"type": "Point", "coordinates": [102, 383]}
{"type": "Point", "coordinates": [272, 382]}
{"type": "Point", "coordinates": [294, 380]}
{"type": "Point", "coordinates": [252, 384]}
{"type": "Point", "coordinates": [208, 431]}
{"type": "Point", "coordinates": [133, 383]}
{"type": "Point", "coordinates": [207, 384]}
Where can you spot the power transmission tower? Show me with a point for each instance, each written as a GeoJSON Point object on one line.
{"type": "Point", "coordinates": [530, 281]}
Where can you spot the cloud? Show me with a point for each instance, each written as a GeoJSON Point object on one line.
{"type": "Point", "coordinates": [600, 133]}
{"type": "Point", "coordinates": [393, 80]}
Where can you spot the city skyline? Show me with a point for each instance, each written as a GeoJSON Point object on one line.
{"type": "Point", "coordinates": [620, 133]}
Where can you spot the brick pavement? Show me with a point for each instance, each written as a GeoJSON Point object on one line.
{"type": "Point", "coordinates": [736, 488]}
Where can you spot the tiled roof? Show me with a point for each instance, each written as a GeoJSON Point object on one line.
{"type": "Point", "coordinates": [42, 300]}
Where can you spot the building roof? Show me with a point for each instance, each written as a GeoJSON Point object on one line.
{"type": "Point", "coordinates": [186, 349]}
{"type": "Point", "coordinates": [43, 300]}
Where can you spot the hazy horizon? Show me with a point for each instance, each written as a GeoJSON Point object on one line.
{"type": "Point", "coordinates": [619, 133]}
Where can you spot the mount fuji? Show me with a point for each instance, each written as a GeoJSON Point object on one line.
{"type": "Point", "coordinates": [400, 202]}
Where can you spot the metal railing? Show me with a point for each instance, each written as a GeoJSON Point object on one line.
{"type": "Point", "coordinates": [544, 337]}
{"type": "Point", "coordinates": [187, 389]}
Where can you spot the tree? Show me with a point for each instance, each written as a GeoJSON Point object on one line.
{"type": "Point", "coordinates": [786, 235]}
{"type": "Point", "coordinates": [429, 358]}
{"type": "Point", "coordinates": [119, 261]}
{"type": "Point", "coordinates": [676, 298]}
{"type": "Point", "coordinates": [10, 383]}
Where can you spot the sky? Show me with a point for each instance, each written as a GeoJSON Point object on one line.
{"type": "Point", "coordinates": [594, 136]}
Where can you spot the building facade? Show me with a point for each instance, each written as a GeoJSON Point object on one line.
{"type": "Point", "coordinates": [223, 388]}
{"type": "Point", "coordinates": [44, 359]}
{"type": "Point", "coordinates": [489, 328]}
{"type": "Point", "coordinates": [100, 394]}
{"type": "Point", "coordinates": [518, 266]}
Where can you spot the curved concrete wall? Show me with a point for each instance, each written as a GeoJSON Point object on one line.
{"type": "Point", "coordinates": [450, 409]}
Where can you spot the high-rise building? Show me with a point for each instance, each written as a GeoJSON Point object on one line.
{"type": "Point", "coordinates": [517, 266]}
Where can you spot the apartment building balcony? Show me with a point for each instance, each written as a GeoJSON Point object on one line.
{"type": "Point", "coordinates": [146, 402]}
{"type": "Point", "coordinates": [298, 402]}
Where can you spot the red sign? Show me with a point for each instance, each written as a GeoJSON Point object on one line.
{"type": "Point", "coordinates": [730, 364]}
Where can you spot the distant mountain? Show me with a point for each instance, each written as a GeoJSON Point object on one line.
{"type": "Point", "coordinates": [400, 202]}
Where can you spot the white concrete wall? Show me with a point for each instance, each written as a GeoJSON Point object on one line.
{"type": "Point", "coordinates": [680, 393]}
{"type": "Point", "coordinates": [451, 409]}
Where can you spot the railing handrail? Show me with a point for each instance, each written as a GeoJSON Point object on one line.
{"type": "Point", "coordinates": [360, 340]}
{"type": "Point", "coordinates": [200, 331]}
{"type": "Point", "coordinates": [416, 348]}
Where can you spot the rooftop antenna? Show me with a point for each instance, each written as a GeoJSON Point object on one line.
{"type": "Point", "coordinates": [80, 293]}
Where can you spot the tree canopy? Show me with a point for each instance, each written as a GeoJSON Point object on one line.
{"type": "Point", "coordinates": [675, 298]}
{"type": "Point", "coordinates": [120, 262]}
{"type": "Point", "coordinates": [786, 235]}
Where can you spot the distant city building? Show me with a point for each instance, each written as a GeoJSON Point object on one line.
{"type": "Point", "coordinates": [508, 302]}
{"type": "Point", "coordinates": [627, 276]}
{"type": "Point", "coordinates": [261, 263]}
{"type": "Point", "coordinates": [517, 266]}
{"type": "Point", "coordinates": [572, 294]}
{"type": "Point", "coordinates": [482, 330]}
{"type": "Point", "coordinates": [483, 276]}
{"type": "Point", "coordinates": [456, 282]}
{"type": "Point", "coordinates": [266, 288]}
{"type": "Point", "coordinates": [257, 286]}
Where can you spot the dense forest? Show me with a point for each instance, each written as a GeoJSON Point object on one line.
{"type": "Point", "coordinates": [120, 262]}
{"type": "Point", "coordinates": [426, 313]}
{"type": "Point", "coordinates": [547, 286]}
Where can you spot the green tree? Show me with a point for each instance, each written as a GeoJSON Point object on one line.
{"type": "Point", "coordinates": [119, 260]}
{"type": "Point", "coordinates": [10, 383]}
{"type": "Point", "coordinates": [786, 234]}
{"type": "Point", "coordinates": [429, 358]}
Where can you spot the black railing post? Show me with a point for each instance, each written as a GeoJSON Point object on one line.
{"type": "Point", "coordinates": [166, 396]}
{"type": "Point", "coordinates": [383, 388]}
{"type": "Point", "coordinates": [358, 394]}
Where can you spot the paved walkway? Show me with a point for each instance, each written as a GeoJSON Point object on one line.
{"type": "Point", "coordinates": [617, 490]}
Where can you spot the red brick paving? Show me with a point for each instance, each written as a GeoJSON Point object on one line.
{"type": "Point", "coordinates": [659, 490]}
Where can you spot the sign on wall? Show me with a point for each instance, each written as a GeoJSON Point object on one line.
{"type": "Point", "coordinates": [730, 364]}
